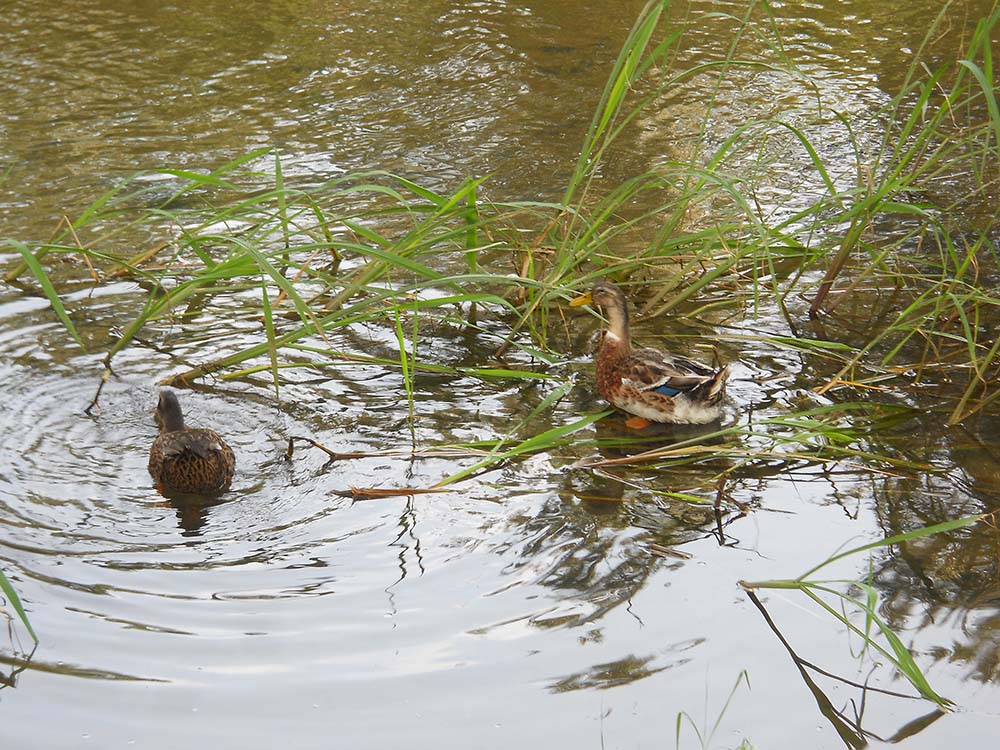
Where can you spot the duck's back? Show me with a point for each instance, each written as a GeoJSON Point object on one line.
{"type": "Point", "coordinates": [196, 461]}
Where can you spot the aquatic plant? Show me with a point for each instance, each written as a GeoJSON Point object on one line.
{"type": "Point", "coordinates": [874, 632]}
{"type": "Point", "coordinates": [705, 733]}
{"type": "Point", "coordinates": [15, 601]}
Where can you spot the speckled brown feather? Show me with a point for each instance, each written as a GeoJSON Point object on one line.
{"type": "Point", "coordinates": [181, 459]}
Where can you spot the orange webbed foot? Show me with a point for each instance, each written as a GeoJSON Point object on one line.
{"type": "Point", "coordinates": [637, 423]}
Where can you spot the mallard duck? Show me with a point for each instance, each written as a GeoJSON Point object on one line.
{"type": "Point", "coordinates": [183, 459]}
{"type": "Point", "coordinates": [652, 385]}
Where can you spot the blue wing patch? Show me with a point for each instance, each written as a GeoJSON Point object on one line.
{"type": "Point", "coordinates": [667, 390]}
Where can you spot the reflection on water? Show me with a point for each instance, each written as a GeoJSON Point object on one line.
{"type": "Point", "coordinates": [192, 512]}
{"type": "Point", "coordinates": [548, 600]}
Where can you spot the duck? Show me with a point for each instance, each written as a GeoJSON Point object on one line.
{"type": "Point", "coordinates": [185, 459]}
{"type": "Point", "coordinates": [650, 385]}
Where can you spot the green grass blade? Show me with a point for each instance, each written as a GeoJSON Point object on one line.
{"type": "Point", "coordinates": [50, 291]}
{"type": "Point", "coordinates": [536, 443]}
{"type": "Point", "coordinates": [938, 528]}
{"type": "Point", "coordinates": [989, 94]}
{"type": "Point", "coordinates": [15, 602]}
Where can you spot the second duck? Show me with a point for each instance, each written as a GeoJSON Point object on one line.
{"type": "Point", "coordinates": [185, 459]}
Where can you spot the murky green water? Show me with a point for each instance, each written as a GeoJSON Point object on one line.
{"type": "Point", "coordinates": [531, 605]}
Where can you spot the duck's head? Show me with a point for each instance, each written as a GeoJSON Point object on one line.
{"type": "Point", "coordinates": [612, 303]}
{"type": "Point", "coordinates": [603, 294]}
{"type": "Point", "coordinates": [168, 415]}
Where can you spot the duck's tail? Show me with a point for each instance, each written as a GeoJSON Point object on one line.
{"type": "Point", "coordinates": [713, 390]}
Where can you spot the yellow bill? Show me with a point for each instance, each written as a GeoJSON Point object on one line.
{"type": "Point", "coordinates": [583, 299]}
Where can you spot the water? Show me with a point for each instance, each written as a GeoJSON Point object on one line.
{"type": "Point", "coordinates": [536, 603]}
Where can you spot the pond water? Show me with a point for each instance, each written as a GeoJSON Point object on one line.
{"type": "Point", "coordinates": [539, 602]}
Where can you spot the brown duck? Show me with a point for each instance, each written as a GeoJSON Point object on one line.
{"type": "Point", "coordinates": [652, 385]}
{"type": "Point", "coordinates": [184, 459]}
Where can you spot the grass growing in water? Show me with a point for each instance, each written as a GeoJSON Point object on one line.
{"type": "Point", "coordinates": [15, 601]}
{"type": "Point", "coordinates": [706, 734]}
{"type": "Point", "coordinates": [867, 605]}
